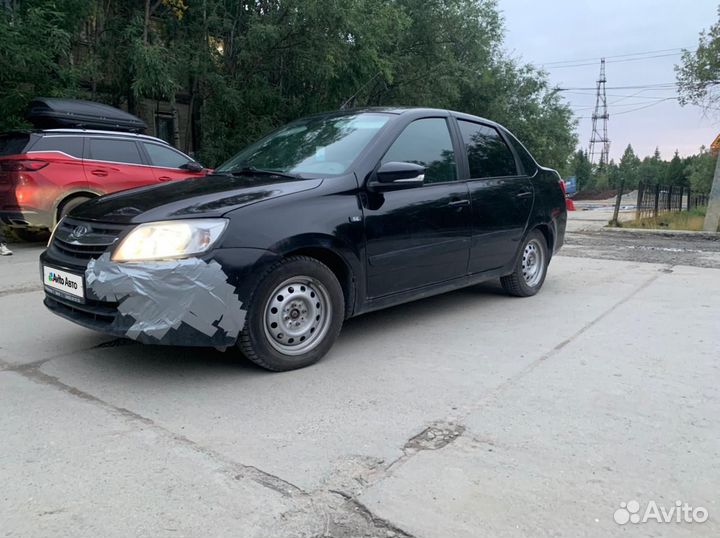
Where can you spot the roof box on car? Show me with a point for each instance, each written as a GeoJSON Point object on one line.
{"type": "Point", "coordinates": [51, 113]}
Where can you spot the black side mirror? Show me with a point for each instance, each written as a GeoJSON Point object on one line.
{"type": "Point", "coordinates": [397, 175]}
{"type": "Point", "coordinates": [192, 166]}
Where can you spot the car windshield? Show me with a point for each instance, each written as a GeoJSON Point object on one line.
{"type": "Point", "coordinates": [314, 146]}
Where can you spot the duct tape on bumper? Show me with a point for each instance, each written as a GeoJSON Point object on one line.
{"type": "Point", "coordinates": [159, 300]}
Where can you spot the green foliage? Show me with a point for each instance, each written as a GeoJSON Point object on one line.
{"type": "Point", "coordinates": [675, 172]}
{"type": "Point", "coordinates": [699, 72]}
{"type": "Point", "coordinates": [629, 168]}
{"type": "Point", "coordinates": [248, 66]}
{"type": "Point", "coordinates": [700, 171]}
{"type": "Point", "coordinates": [581, 168]}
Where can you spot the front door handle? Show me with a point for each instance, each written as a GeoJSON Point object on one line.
{"type": "Point", "coordinates": [165, 178]}
{"type": "Point", "coordinates": [459, 203]}
{"type": "Point", "coordinates": [101, 173]}
{"type": "Point", "coordinates": [523, 194]}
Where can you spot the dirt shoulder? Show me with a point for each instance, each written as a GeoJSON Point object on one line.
{"type": "Point", "coordinates": [698, 250]}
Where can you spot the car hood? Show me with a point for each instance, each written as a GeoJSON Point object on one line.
{"type": "Point", "coordinates": [209, 196]}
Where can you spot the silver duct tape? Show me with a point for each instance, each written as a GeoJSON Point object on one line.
{"type": "Point", "coordinates": [161, 295]}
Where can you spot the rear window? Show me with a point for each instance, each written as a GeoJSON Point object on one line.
{"type": "Point", "coordinates": [12, 144]}
{"type": "Point", "coordinates": [71, 145]}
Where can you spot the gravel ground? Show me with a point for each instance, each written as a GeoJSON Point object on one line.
{"type": "Point", "coordinates": [693, 249]}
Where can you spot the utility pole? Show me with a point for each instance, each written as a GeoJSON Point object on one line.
{"type": "Point", "coordinates": [600, 135]}
{"type": "Point", "coordinates": [712, 216]}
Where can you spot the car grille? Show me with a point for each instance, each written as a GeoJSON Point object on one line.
{"type": "Point", "coordinates": [82, 240]}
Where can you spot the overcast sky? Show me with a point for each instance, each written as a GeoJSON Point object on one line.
{"type": "Point", "coordinates": [541, 32]}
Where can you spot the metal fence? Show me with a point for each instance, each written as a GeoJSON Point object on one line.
{"type": "Point", "coordinates": [654, 198]}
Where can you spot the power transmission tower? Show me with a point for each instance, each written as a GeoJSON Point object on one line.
{"type": "Point", "coordinates": [600, 136]}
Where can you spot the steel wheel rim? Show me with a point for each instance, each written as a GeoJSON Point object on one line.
{"type": "Point", "coordinates": [533, 263]}
{"type": "Point", "coordinates": [297, 315]}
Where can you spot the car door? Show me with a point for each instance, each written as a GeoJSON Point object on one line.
{"type": "Point", "coordinates": [501, 196]}
{"type": "Point", "coordinates": [421, 235]}
{"type": "Point", "coordinates": [166, 162]}
{"type": "Point", "coordinates": [116, 164]}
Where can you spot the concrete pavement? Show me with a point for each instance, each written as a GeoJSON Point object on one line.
{"type": "Point", "coordinates": [469, 414]}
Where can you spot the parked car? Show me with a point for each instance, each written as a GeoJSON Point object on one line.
{"type": "Point", "coordinates": [45, 174]}
{"type": "Point", "coordinates": [328, 217]}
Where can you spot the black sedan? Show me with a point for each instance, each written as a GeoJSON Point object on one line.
{"type": "Point", "coordinates": [329, 217]}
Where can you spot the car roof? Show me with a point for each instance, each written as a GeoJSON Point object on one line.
{"type": "Point", "coordinates": [404, 110]}
{"type": "Point", "coordinates": [90, 132]}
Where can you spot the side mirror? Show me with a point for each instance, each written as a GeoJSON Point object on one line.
{"type": "Point", "coordinates": [192, 166]}
{"type": "Point", "coordinates": [398, 175]}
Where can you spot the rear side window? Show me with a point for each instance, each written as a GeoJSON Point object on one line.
{"type": "Point", "coordinates": [12, 144]}
{"type": "Point", "coordinates": [488, 154]}
{"type": "Point", "coordinates": [165, 157]}
{"type": "Point", "coordinates": [117, 151]}
{"type": "Point", "coordinates": [71, 145]}
{"type": "Point", "coordinates": [426, 142]}
{"type": "Point", "coordinates": [526, 159]}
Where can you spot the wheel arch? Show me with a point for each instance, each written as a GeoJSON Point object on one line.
{"type": "Point", "coordinates": [549, 234]}
{"type": "Point", "coordinates": [66, 197]}
{"type": "Point", "coordinates": [336, 257]}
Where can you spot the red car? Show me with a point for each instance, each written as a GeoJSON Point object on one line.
{"type": "Point", "coordinates": [44, 174]}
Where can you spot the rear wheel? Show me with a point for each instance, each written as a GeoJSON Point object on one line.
{"type": "Point", "coordinates": [530, 269]}
{"type": "Point", "coordinates": [294, 315]}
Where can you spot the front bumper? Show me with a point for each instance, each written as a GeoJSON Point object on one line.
{"type": "Point", "coordinates": [189, 302]}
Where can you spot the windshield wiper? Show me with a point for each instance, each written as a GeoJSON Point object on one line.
{"type": "Point", "coordinates": [251, 170]}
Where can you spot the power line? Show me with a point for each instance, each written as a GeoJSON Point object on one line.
{"type": "Point", "coordinates": [584, 64]}
{"type": "Point", "coordinates": [660, 85]}
{"type": "Point", "coordinates": [595, 59]}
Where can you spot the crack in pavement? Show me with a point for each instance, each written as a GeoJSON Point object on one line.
{"type": "Point", "coordinates": [20, 289]}
{"type": "Point", "coordinates": [451, 428]}
{"type": "Point", "coordinates": [527, 370]}
{"type": "Point", "coordinates": [350, 519]}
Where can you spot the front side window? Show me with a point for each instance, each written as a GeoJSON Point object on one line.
{"type": "Point", "coordinates": [116, 151]}
{"type": "Point", "coordinates": [165, 157]}
{"type": "Point", "coordinates": [488, 154]}
{"type": "Point", "coordinates": [315, 146]}
{"type": "Point", "coordinates": [426, 142]}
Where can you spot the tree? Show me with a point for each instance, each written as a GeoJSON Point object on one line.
{"type": "Point", "coordinates": [247, 66]}
{"type": "Point", "coordinates": [629, 168]}
{"type": "Point", "coordinates": [675, 172]}
{"type": "Point", "coordinates": [581, 168]}
{"type": "Point", "coordinates": [699, 72]}
{"type": "Point", "coordinates": [700, 171]}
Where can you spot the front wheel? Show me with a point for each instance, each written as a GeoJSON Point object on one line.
{"type": "Point", "coordinates": [530, 269]}
{"type": "Point", "coordinates": [294, 316]}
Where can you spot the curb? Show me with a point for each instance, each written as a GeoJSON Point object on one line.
{"type": "Point", "coordinates": [710, 236]}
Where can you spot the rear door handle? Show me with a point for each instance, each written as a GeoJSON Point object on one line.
{"type": "Point", "coordinates": [101, 173]}
{"type": "Point", "coordinates": [459, 203]}
{"type": "Point", "coordinates": [165, 178]}
{"type": "Point", "coordinates": [523, 194]}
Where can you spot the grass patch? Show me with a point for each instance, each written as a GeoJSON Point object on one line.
{"type": "Point", "coordinates": [692, 220]}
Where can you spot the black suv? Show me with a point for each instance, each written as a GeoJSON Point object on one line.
{"type": "Point", "coordinates": [328, 217]}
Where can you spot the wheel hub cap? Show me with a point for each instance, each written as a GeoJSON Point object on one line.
{"type": "Point", "coordinates": [297, 315]}
{"type": "Point", "coordinates": [533, 263]}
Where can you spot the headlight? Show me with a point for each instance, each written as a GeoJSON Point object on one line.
{"type": "Point", "coordinates": [169, 239]}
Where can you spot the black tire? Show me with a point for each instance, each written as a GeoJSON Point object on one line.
{"type": "Point", "coordinates": [69, 205]}
{"type": "Point", "coordinates": [314, 278]}
{"type": "Point", "coordinates": [518, 283]}
{"type": "Point", "coordinates": [32, 235]}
